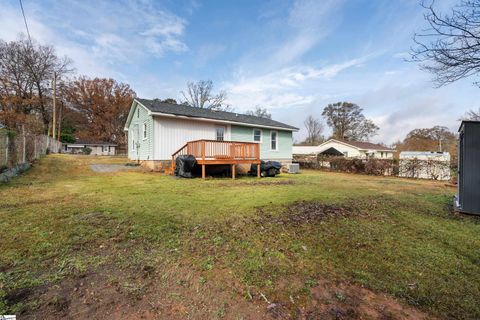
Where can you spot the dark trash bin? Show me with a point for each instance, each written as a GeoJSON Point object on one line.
{"type": "Point", "coordinates": [267, 168]}
{"type": "Point", "coordinates": [184, 165]}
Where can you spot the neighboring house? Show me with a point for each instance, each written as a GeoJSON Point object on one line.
{"type": "Point", "coordinates": [156, 130]}
{"type": "Point", "coordinates": [99, 148]}
{"type": "Point", "coordinates": [348, 149]}
{"type": "Point", "coordinates": [424, 165]}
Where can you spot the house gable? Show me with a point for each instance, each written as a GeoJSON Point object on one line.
{"type": "Point", "coordinates": [140, 130]}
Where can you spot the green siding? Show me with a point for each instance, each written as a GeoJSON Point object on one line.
{"type": "Point", "coordinates": [145, 150]}
{"type": "Point", "coordinates": [285, 141]}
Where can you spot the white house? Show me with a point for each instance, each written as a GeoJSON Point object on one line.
{"type": "Point", "coordinates": [98, 148]}
{"type": "Point", "coordinates": [158, 131]}
{"type": "Point", "coordinates": [348, 149]}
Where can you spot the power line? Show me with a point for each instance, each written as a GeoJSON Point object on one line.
{"type": "Point", "coordinates": [25, 20]}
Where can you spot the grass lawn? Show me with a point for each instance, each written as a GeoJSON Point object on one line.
{"type": "Point", "coordinates": [78, 243]}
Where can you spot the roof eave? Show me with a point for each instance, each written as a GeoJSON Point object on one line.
{"type": "Point", "coordinates": [169, 115]}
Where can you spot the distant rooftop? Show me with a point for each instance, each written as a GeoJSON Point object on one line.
{"type": "Point", "coordinates": [93, 142]}
{"type": "Point", "coordinates": [366, 145]}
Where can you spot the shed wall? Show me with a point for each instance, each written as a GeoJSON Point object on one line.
{"type": "Point", "coordinates": [469, 180]}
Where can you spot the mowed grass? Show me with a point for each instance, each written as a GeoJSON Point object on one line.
{"type": "Point", "coordinates": [61, 219]}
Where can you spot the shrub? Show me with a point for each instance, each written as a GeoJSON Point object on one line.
{"type": "Point", "coordinates": [379, 167]}
{"type": "Point", "coordinates": [86, 150]}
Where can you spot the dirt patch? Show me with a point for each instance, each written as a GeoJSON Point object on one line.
{"type": "Point", "coordinates": [342, 301]}
{"type": "Point", "coordinates": [105, 168]}
{"type": "Point", "coordinates": [174, 292]}
{"type": "Point", "coordinates": [307, 212]}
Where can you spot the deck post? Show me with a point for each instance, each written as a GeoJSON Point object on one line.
{"type": "Point", "coordinates": [233, 171]}
{"type": "Point", "coordinates": [258, 170]}
{"type": "Point", "coordinates": [203, 171]}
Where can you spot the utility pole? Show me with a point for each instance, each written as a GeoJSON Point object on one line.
{"type": "Point", "coordinates": [54, 103]}
{"type": "Point", "coordinates": [60, 111]}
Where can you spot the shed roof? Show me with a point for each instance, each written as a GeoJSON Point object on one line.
{"type": "Point", "coordinates": [157, 106]}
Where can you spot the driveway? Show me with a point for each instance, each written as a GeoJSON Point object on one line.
{"type": "Point", "coordinates": [110, 167]}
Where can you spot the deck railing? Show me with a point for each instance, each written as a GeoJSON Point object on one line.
{"type": "Point", "coordinates": [217, 152]}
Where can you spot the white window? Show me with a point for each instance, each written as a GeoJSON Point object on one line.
{"type": "Point", "coordinates": [257, 135]}
{"type": "Point", "coordinates": [104, 148]}
{"type": "Point", "coordinates": [138, 113]}
{"type": "Point", "coordinates": [144, 131]}
{"type": "Point", "coordinates": [220, 133]}
{"type": "Point", "coordinates": [133, 144]}
{"type": "Point", "coordinates": [273, 140]}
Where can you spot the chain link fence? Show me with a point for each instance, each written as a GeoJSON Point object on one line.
{"type": "Point", "coordinates": [19, 148]}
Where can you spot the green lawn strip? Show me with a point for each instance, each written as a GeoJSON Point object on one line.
{"type": "Point", "coordinates": [405, 242]}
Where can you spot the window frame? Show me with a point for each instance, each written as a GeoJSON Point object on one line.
{"type": "Point", "coordinates": [144, 131]}
{"type": "Point", "coordinates": [276, 140]}
{"type": "Point", "coordinates": [217, 131]}
{"type": "Point", "coordinates": [261, 135]}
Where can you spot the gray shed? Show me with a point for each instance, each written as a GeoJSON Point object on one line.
{"type": "Point", "coordinates": [468, 197]}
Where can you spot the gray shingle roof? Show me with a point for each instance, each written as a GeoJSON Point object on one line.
{"type": "Point", "coordinates": [93, 142]}
{"type": "Point", "coordinates": [187, 111]}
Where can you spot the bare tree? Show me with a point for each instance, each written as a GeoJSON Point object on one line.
{"type": "Point", "coordinates": [472, 115]}
{"type": "Point", "coordinates": [259, 112]}
{"type": "Point", "coordinates": [199, 95]}
{"type": "Point", "coordinates": [26, 73]}
{"type": "Point", "coordinates": [348, 122]}
{"type": "Point", "coordinates": [314, 129]}
{"type": "Point", "coordinates": [450, 47]}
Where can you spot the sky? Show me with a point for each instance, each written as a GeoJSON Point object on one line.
{"type": "Point", "coordinates": [291, 57]}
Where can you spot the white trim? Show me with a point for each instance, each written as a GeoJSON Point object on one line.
{"type": "Point", "coordinates": [145, 130]}
{"type": "Point", "coordinates": [261, 135]}
{"type": "Point", "coordinates": [276, 140]}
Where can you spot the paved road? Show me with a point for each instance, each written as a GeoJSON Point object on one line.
{"type": "Point", "coordinates": [110, 167]}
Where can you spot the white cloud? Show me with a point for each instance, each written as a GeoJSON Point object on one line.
{"type": "Point", "coordinates": [310, 21]}
{"type": "Point", "coordinates": [280, 89]}
{"type": "Point", "coordinates": [101, 38]}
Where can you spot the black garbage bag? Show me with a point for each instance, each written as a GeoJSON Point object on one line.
{"type": "Point", "coordinates": [184, 166]}
{"type": "Point", "coordinates": [267, 168]}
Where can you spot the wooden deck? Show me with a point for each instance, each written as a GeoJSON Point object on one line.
{"type": "Point", "coordinates": [210, 152]}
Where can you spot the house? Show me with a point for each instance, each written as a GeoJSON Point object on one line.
{"type": "Point", "coordinates": [467, 199]}
{"type": "Point", "coordinates": [424, 165]}
{"type": "Point", "coordinates": [348, 149]}
{"type": "Point", "coordinates": [158, 132]}
{"type": "Point", "coordinates": [98, 148]}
